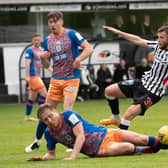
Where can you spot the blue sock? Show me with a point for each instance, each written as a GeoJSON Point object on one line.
{"type": "Point", "coordinates": [40, 130]}
{"type": "Point", "coordinates": [41, 100]}
{"type": "Point", "coordinates": [29, 107]}
{"type": "Point", "coordinates": [155, 143]}
{"type": "Point", "coordinates": [145, 150]}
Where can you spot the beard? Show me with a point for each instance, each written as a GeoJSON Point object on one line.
{"type": "Point", "coordinates": [163, 47]}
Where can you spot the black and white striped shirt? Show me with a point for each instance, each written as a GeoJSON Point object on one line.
{"type": "Point", "coordinates": [156, 79]}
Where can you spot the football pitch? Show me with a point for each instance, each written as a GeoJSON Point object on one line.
{"type": "Point", "coordinates": [15, 134]}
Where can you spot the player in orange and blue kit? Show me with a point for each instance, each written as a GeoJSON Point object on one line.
{"type": "Point", "coordinates": [33, 69]}
{"type": "Point", "coordinates": [62, 47]}
{"type": "Point", "coordinates": [73, 131]}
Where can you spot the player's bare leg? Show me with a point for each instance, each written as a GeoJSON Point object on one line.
{"type": "Point", "coordinates": [68, 102]}
{"type": "Point", "coordinates": [129, 115]}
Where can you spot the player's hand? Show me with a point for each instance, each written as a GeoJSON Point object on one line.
{"type": "Point", "coordinates": [69, 158]}
{"type": "Point", "coordinates": [45, 54]}
{"type": "Point", "coordinates": [50, 69]}
{"type": "Point", "coordinates": [76, 64]}
{"type": "Point", "coordinates": [35, 159]}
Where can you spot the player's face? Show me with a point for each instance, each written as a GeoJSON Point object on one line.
{"type": "Point", "coordinates": [55, 25]}
{"type": "Point", "coordinates": [50, 118]}
{"type": "Point", "coordinates": [36, 41]}
{"type": "Point", "coordinates": [163, 40]}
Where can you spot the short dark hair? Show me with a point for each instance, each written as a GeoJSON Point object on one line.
{"type": "Point", "coordinates": [55, 15]}
{"type": "Point", "coordinates": [36, 35]}
{"type": "Point", "coordinates": [42, 108]}
{"type": "Point", "coordinates": [163, 28]}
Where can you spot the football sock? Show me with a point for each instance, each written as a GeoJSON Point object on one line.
{"type": "Point", "coordinates": [114, 105]}
{"type": "Point", "coordinates": [124, 124]}
{"type": "Point", "coordinates": [29, 107]}
{"type": "Point", "coordinates": [116, 117]}
{"type": "Point", "coordinates": [155, 143]}
{"type": "Point", "coordinates": [145, 150]}
{"type": "Point", "coordinates": [40, 130]}
{"type": "Point", "coordinates": [41, 100]}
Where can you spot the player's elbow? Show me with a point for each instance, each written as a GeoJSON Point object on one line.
{"type": "Point", "coordinates": [91, 50]}
{"type": "Point", "coordinates": [82, 138]}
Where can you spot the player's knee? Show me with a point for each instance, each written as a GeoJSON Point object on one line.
{"type": "Point", "coordinates": [109, 97]}
{"type": "Point", "coordinates": [108, 91]}
{"type": "Point", "coordinates": [128, 148]}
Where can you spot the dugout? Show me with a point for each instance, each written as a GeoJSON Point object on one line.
{"type": "Point", "coordinates": [20, 19]}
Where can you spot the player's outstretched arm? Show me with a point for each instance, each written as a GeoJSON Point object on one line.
{"type": "Point", "coordinates": [47, 156]}
{"type": "Point", "coordinates": [130, 37]}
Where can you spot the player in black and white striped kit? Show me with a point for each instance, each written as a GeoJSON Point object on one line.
{"type": "Point", "coordinates": [145, 92]}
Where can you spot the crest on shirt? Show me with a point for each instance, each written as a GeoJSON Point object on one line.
{"type": "Point", "coordinates": [68, 138]}
{"type": "Point", "coordinates": [58, 46]}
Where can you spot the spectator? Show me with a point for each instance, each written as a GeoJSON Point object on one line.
{"type": "Point", "coordinates": [142, 68]}
{"type": "Point", "coordinates": [104, 78]}
{"type": "Point", "coordinates": [131, 72]}
{"type": "Point", "coordinates": [87, 88]}
{"type": "Point", "coordinates": [97, 23]}
{"type": "Point", "coordinates": [119, 24]}
{"type": "Point", "coordinates": [91, 72]}
{"type": "Point", "coordinates": [147, 29]}
{"type": "Point", "coordinates": [133, 26]}
{"type": "Point", "coordinates": [121, 72]}
{"type": "Point", "coordinates": [165, 21]}
{"type": "Point", "coordinates": [147, 33]}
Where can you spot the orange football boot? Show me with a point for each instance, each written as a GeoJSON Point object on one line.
{"type": "Point", "coordinates": [110, 121]}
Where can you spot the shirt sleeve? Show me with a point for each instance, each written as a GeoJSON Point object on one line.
{"type": "Point", "coordinates": [51, 142]}
{"type": "Point", "coordinates": [152, 44]}
{"type": "Point", "coordinates": [45, 44]}
{"type": "Point", "coordinates": [29, 54]}
{"type": "Point", "coordinates": [72, 118]}
{"type": "Point", "coordinates": [76, 37]}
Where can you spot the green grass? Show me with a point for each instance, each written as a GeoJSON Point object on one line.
{"type": "Point", "coordinates": [15, 134]}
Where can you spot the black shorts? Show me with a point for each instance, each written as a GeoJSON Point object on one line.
{"type": "Point", "coordinates": [135, 90]}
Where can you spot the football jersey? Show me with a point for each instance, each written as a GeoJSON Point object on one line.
{"type": "Point", "coordinates": [156, 79]}
{"type": "Point", "coordinates": [33, 54]}
{"type": "Point", "coordinates": [93, 134]}
{"type": "Point", "coordinates": [64, 50]}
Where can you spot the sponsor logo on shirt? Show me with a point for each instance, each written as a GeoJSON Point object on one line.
{"type": "Point", "coordinates": [73, 118]}
{"type": "Point", "coordinates": [78, 36]}
{"type": "Point", "coordinates": [27, 55]}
